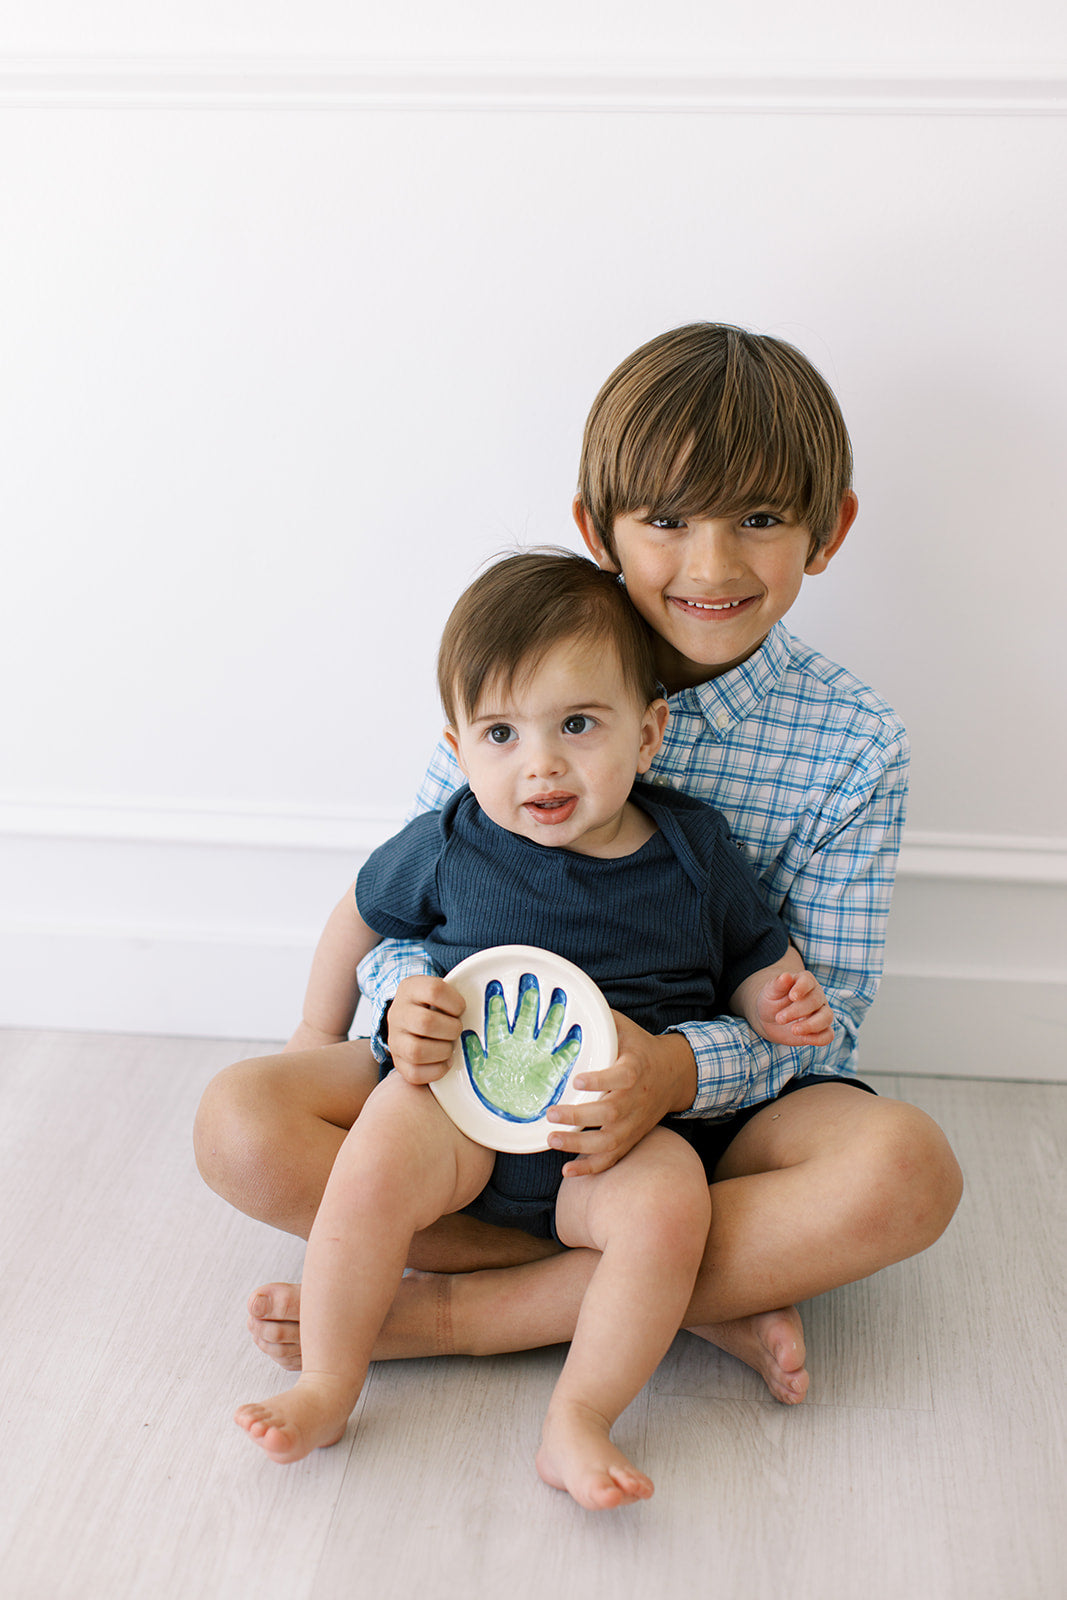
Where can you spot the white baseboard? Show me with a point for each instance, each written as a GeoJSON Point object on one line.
{"type": "Point", "coordinates": [109, 981]}
{"type": "Point", "coordinates": [967, 1027]}
{"type": "Point", "coordinates": [202, 922]}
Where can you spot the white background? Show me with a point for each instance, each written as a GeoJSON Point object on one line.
{"type": "Point", "coordinates": [287, 352]}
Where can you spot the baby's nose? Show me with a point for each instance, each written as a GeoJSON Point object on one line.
{"type": "Point", "coordinates": [546, 757]}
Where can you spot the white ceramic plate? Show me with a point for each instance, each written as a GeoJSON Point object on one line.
{"type": "Point", "coordinates": [498, 1094]}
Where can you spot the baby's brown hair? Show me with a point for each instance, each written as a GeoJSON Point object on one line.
{"type": "Point", "coordinates": [506, 622]}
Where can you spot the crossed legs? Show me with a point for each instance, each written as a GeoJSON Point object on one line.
{"type": "Point", "coordinates": [824, 1187]}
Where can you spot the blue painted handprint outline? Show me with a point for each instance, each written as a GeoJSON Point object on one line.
{"type": "Point", "coordinates": [523, 1067]}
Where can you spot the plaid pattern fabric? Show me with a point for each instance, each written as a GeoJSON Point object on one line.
{"type": "Point", "coordinates": [810, 769]}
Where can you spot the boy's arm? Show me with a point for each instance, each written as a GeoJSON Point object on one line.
{"type": "Point", "coordinates": [333, 991]}
{"type": "Point", "coordinates": [835, 906]}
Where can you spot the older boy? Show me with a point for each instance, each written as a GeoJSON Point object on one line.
{"type": "Point", "coordinates": [715, 474]}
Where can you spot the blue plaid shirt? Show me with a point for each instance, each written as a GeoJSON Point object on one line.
{"type": "Point", "coordinates": [810, 769]}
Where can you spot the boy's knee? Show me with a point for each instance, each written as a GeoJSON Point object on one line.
{"type": "Point", "coordinates": [234, 1123]}
{"type": "Point", "coordinates": [917, 1183]}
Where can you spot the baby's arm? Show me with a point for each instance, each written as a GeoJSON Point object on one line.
{"type": "Point", "coordinates": [785, 1004]}
{"type": "Point", "coordinates": [333, 992]}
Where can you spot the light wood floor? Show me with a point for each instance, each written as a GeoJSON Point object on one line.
{"type": "Point", "coordinates": [928, 1463]}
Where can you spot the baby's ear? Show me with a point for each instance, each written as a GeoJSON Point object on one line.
{"type": "Point", "coordinates": [452, 741]}
{"type": "Point", "coordinates": [652, 733]}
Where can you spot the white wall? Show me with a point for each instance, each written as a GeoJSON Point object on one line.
{"type": "Point", "coordinates": [301, 314]}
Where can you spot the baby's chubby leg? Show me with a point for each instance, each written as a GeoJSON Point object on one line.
{"type": "Point", "coordinates": [403, 1165]}
{"type": "Point", "coordinates": [648, 1216]}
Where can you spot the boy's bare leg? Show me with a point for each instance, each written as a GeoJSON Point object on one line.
{"type": "Point", "coordinates": [267, 1134]}
{"type": "Point", "coordinates": [402, 1165]}
{"type": "Point", "coordinates": [824, 1187]}
{"type": "Point", "coordinates": [646, 1217]}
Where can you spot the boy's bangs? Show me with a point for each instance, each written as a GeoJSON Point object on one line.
{"type": "Point", "coordinates": [710, 420]}
{"type": "Point", "coordinates": [721, 472]}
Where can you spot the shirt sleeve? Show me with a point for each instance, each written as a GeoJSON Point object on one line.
{"type": "Point", "coordinates": [382, 971]}
{"type": "Point", "coordinates": [835, 889]}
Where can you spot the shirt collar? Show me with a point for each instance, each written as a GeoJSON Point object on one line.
{"type": "Point", "coordinates": [729, 699]}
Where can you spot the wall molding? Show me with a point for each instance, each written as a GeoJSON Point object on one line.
{"type": "Point", "coordinates": [200, 920]}
{"type": "Point", "coordinates": [175, 823]}
{"type": "Point", "coordinates": [89, 82]}
{"type": "Point", "coordinates": [983, 858]}
{"type": "Point", "coordinates": [980, 858]}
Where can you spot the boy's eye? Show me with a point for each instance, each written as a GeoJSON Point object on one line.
{"type": "Point", "coordinates": [668, 524]}
{"type": "Point", "coordinates": [578, 724]}
{"type": "Point", "coordinates": [500, 733]}
{"type": "Point", "coordinates": [761, 520]}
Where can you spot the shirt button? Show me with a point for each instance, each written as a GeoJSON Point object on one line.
{"type": "Point", "coordinates": [722, 720]}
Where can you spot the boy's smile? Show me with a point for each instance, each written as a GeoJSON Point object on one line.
{"type": "Point", "coordinates": [712, 588]}
{"type": "Point", "coordinates": [553, 756]}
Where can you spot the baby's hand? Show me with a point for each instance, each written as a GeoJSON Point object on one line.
{"type": "Point", "coordinates": [424, 1024]}
{"type": "Point", "coordinates": [792, 1009]}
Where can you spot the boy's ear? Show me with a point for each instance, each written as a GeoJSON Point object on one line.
{"type": "Point", "coordinates": [592, 540]}
{"type": "Point", "coordinates": [845, 518]}
{"type": "Point", "coordinates": [452, 741]}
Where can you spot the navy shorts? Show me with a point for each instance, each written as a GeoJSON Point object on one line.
{"type": "Point", "coordinates": [522, 1190]}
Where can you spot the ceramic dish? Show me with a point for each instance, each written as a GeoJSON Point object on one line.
{"type": "Point", "coordinates": [532, 1020]}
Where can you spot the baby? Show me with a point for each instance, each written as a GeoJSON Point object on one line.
{"type": "Point", "coordinates": [547, 680]}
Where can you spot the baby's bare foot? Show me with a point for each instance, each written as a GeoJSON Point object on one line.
{"type": "Point", "coordinates": [772, 1343]}
{"type": "Point", "coordinates": [307, 1417]}
{"type": "Point", "coordinates": [577, 1454]}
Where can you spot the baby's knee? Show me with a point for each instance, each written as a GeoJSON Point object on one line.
{"type": "Point", "coordinates": [677, 1204]}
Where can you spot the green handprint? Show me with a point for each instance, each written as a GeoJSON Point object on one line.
{"type": "Point", "coordinates": [522, 1070]}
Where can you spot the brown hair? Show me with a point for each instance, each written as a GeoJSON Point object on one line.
{"type": "Point", "coordinates": [509, 618]}
{"type": "Point", "coordinates": [712, 420]}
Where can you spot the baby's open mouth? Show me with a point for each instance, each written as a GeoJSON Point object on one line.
{"type": "Point", "coordinates": [556, 807]}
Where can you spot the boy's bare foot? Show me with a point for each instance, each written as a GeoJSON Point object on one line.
{"type": "Point", "coordinates": [577, 1454]}
{"type": "Point", "coordinates": [274, 1322]}
{"type": "Point", "coordinates": [422, 1302]}
{"type": "Point", "coordinates": [310, 1416]}
{"type": "Point", "coordinates": [772, 1343]}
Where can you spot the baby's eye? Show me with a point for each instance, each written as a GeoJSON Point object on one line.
{"type": "Point", "coordinates": [500, 733]}
{"type": "Point", "coordinates": [579, 724]}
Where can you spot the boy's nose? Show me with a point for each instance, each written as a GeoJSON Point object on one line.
{"type": "Point", "coordinates": [712, 553]}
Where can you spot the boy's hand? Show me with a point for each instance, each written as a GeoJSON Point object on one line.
{"type": "Point", "coordinates": [652, 1076]}
{"type": "Point", "coordinates": [424, 1024]}
{"type": "Point", "coordinates": [308, 1037]}
{"type": "Point", "coordinates": [792, 1010]}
